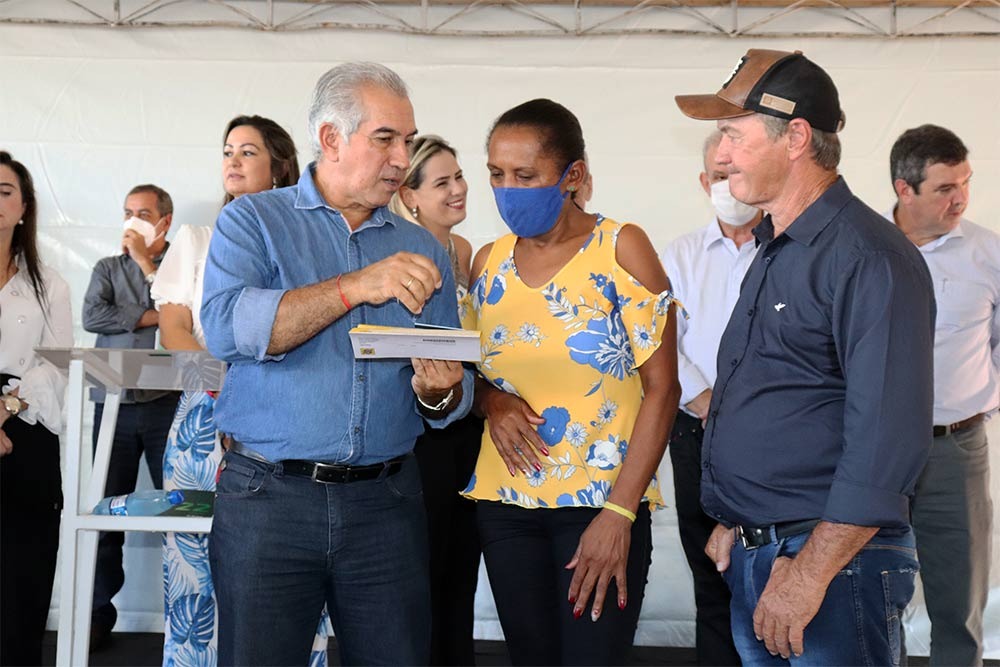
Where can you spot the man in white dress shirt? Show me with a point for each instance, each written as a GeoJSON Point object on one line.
{"type": "Point", "coordinates": [951, 510]}
{"type": "Point", "coordinates": [706, 268]}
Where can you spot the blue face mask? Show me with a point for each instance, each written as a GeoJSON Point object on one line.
{"type": "Point", "coordinates": [531, 212]}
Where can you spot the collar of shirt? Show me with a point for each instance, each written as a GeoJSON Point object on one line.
{"type": "Point", "coordinates": [308, 197]}
{"type": "Point", "coordinates": [811, 221]}
{"type": "Point", "coordinates": [956, 233]}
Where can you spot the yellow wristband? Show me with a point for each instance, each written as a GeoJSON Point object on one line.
{"type": "Point", "coordinates": [618, 509]}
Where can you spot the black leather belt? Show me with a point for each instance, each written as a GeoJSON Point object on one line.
{"type": "Point", "coordinates": [326, 473]}
{"type": "Point", "coordinates": [948, 429]}
{"type": "Point", "coordinates": [753, 537]}
{"type": "Point", "coordinates": [329, 473]}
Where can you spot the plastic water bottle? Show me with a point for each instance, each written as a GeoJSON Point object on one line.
{"type": "Point", "coordinates": [140, 503]}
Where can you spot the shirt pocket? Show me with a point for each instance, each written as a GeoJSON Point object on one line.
{"type": "Point", "coordinates": [961, 303]}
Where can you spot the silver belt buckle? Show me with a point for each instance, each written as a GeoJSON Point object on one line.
{"type": "Point", "coordinates": [744, 541]}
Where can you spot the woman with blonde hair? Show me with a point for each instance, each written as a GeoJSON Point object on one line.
{"type": "Point", "coordinates": [433, 195]}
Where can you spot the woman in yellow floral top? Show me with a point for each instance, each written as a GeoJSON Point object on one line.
{"type": "Point", "coordinates": [580, 389]}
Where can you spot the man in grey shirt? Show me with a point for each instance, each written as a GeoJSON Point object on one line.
{"type": "Point", "coordinates": [119, 309]}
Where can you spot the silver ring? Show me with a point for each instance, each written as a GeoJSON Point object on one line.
{"type": "Point", "coordinates": [518, 450]}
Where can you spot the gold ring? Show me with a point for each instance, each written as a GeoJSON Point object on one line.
{"type": "Point", "coordinates": [407, 285]}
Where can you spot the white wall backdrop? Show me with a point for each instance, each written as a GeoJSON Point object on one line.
{"type": "Point", "coordinates": [94, 111]}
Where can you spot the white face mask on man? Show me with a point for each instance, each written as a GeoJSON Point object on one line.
{"type": "Point", "coordinates": [145, 229]}
{"type": "Point", "coordinates": [728, 208]}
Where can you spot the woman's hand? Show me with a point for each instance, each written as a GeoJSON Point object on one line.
{"type": "Point", "coordinates": [601, 556]}
{"type": "Point", "coordinates": [434, 378]}
{"type": "Point", "coordinates": [514, 431]}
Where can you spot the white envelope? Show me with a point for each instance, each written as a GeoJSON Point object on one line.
{"type": "Point", "coordinates": [371, 341]}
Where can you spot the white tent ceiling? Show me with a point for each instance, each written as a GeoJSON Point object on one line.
{"type": "Point", "coordinates": [718, 18]}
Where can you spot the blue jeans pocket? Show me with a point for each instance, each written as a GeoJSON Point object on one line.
{"type": "Point", "coordinates": [405, 484]}
{"type": "Point", "coordinates": [897, 589]}
{"type": "Point", "coordinates": [240, 478]}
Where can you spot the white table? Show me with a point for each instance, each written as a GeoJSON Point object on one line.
{"type": "Point", "coordinates": [83, 484]}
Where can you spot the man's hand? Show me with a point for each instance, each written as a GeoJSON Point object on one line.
{"type": "Point", "coordinates": [789, 602]}
{"type": "Point", "coordinates": [150, 318]}
{"type": "Point", "coordinates": [699, 405]}
{"type": "Point", "coordinates": [434, 378]}
{"type": "Point", "coordinates": [135, 247]}
{"type": "Point", "coordinates": [720, 544]}
{"type": "Point", "coordinates": [408, 277]}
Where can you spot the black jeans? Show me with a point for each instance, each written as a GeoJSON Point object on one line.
{"type": "Point", "coordinates": [713, 631]}
{"type": "Point", "coordinates": [447, 458]}
{"type": "Point", "coordinates": [526, 552]}
{"type": "Point", "coordinates": [142, 429]}
{"type": "Point", "coordinates": [30, 506]}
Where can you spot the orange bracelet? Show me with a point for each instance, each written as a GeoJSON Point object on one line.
{"type": "Point", "coordinates": [347, 304]}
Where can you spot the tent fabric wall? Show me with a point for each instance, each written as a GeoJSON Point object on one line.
{"type": "Point", "coordinates": [94, 111]}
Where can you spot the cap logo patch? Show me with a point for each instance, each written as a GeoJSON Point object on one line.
{"type": "Point", "coordinates": [777, 103]}
{"type": "Point", "coordinates": [732, 75]}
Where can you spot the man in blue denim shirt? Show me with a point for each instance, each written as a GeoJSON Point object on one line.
{"type": "Point", "coordinates": [319, 498]}
{"type": "Point", "coordinates": [820, 419]}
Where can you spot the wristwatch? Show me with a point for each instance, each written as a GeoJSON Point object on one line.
{"type": "Point", "coordinates": [11, 404]}
{"type": "Point", "coordinates": [441, 405]}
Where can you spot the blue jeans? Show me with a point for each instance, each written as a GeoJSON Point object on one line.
{"type": "Point", "coordinates": [282, 546]}
{"type": "Point", "coordinates": [141, 430]}
{"type": "Point", "coordinates": [859, 620]}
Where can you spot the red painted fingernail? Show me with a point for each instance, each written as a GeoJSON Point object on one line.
{"type": "Point", "coordinates": [577, 613]}
{"type": "Point", "coordinates": [545, 452]}
{"type": "Point", "coordinates": [621, 605]}
{"type": "Point", "coordinates": [572, 599]}
{"type": "Point", "coordinates": [510, 469]}
{"type": "Point", "coordinates": [538, 467]}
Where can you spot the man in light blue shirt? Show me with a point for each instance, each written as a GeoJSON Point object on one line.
{"type": "Point", "coordinates": [951, 509]}
{"type": "Point", "coordinates": [319, 499]}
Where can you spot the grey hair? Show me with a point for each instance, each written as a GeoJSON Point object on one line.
{"type": "Point", "coordinates": [825, 145]}
{"type": "Point", "coordinates": [711, 141]}
{"type": "Point", "coordinates": [335, 99]}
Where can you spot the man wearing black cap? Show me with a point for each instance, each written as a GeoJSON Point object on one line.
{"type": "Point", "coordinates": [820, 419]}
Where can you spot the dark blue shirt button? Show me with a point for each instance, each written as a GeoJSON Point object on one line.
{"type": "Point", "coordinates": [361, 377]}
{"type": "Point", "coordinates": [750, 313]}
{"type": "Point", "coordinates": [734, 362]}
{"type": "Point", "coordinates": [767, 260]}
{"type": "Point", "coordinates": [357, 429]}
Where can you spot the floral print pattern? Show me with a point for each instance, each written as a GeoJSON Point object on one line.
{"type": "Point", "coordinates": [572, 347]}
{"type": "Point", "coordinates": [191, 461]}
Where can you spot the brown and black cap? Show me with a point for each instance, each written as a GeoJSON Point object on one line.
{"type": "Point", "coordinates": [777, 83]}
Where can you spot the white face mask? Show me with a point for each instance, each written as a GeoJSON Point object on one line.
{"type": "Point", "coordinates": [146, 230]}
{"type": "Point", "coordinates": [728, 208]}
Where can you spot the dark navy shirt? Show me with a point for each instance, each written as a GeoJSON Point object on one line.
{"type": "Point", "coordinates": [822, 407]}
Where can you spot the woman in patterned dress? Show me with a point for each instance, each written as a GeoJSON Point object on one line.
{"type": "Point", "coordinates": [258, 154]}
{"type": "Point", "coordinates": [433, 195]}
{"type": "Point", "coordinates": [580, 389]}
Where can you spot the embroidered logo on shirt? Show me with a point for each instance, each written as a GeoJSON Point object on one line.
{"type": "Point", "coordinates": [778, 306]}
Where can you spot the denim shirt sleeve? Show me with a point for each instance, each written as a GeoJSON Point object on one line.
{"type": "Point", "coordinates": [442, 309]}
{"type": "Point", "coordinates": [239, 306]}
{"type": "Point", "coordinates": [883, 326]}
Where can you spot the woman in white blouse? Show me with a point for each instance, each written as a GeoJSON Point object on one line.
{"type": "Point", "coordinates": [34, 312]}
{"type": "Point", "coordinates": [258, 154]}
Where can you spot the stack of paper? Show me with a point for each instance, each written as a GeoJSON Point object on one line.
{"type": "Point", "coordinates": [371, 341]}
